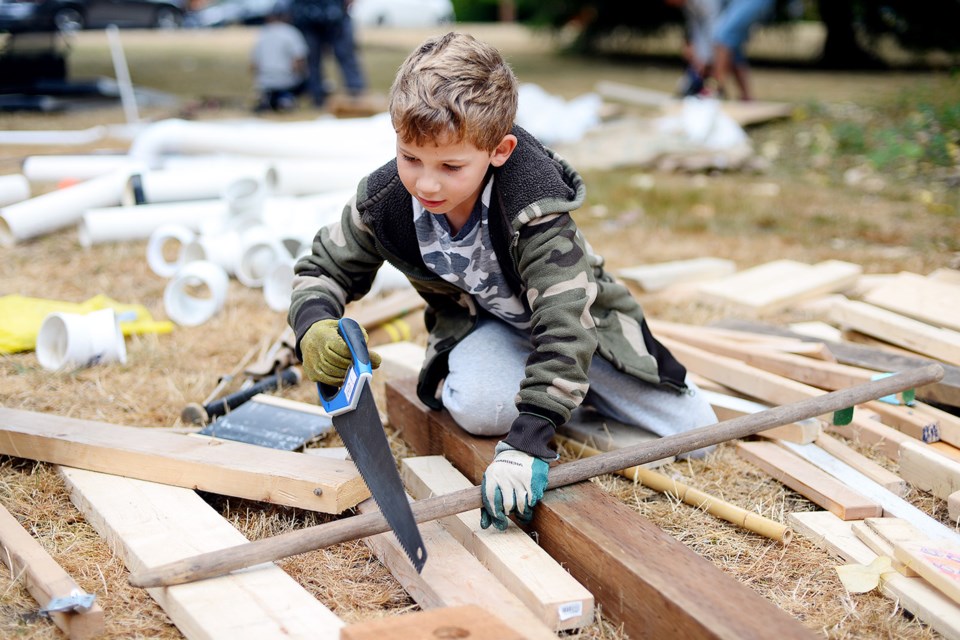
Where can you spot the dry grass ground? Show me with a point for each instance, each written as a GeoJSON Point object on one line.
{"type": "Point", "coordinates": [810, 215]}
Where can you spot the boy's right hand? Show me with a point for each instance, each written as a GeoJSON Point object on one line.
{"type": "Point", "coordinates": [326, 356]}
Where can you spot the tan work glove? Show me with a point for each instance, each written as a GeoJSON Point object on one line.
{"type": "Point", "coordinates": [326, 356]}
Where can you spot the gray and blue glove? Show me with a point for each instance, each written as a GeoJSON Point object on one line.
{"type": "Point", "coordinates": [513, 483]}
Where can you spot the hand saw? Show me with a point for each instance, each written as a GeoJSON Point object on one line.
{"type": "Point", "coordinates": [357, 420]}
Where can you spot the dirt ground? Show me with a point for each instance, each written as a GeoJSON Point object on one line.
{"type": "Point", "coordinates": [797, 207]}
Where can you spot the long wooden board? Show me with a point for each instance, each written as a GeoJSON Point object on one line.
{"type": "Point", "coordinates": [219, 466]}
{"type": "Point", "coordinates": [150, 524]}
{"type": "Point", "coordinates": [809, 481]}
{"type": "Point", "coordinates": [644, 579]}
{"type": "Point", "coordinates": [452, 577]}
{"type": "Point", "coordinates": [946, 390]}
{"type": "Point", "coordinates": [465, 621]}
{"type": "Point", "coordinates": [910, 294]}
{"type": "Point", "coordinates": [913, 594]}
{"type": "Point", "coordinates": [45, 579]}
{"type": "Point", "coordinates": [512, 556]}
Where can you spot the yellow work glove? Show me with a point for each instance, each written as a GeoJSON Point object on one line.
{"type": "Point", "coordinates": [326, 356]}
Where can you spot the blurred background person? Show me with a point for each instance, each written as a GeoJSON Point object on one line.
{"type": "Point", "coordinates": [279, 61]}
{"type": "Point", "coordinates": [326, 24]}
{"type": "Point", "coordinates": [730, 34]}
{"type": "Point", "coordinates": [700, 16]}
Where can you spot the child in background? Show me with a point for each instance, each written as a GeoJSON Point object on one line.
{"type": "Point", "coordinates": [278, 62]}
{"type": "Point", "coordinates": [525, 325]}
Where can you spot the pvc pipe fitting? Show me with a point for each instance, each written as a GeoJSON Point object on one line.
{"type": "Point", "coordinates": [80, 340]}
{"type": "Point", "coordinates": [158, 249]}
{"type": "Point", "coordinates": [278, 284]}
{"type": "Point", "coordinates": [260, 249]}
{"type": "Point", "coordinates": [187, 308]}
{"type": "Point", "coordinates": [222, 249]}
{"type": "Point", "coordinates": [13, 188]}
{"type": "Point", "coordinates": [244, 197]}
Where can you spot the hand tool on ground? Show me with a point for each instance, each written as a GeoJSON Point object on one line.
{"type": "Point", "coordinates": [357, 420]}
{"type": "Point", "coordinates": [194, 413]}
{"type": "Point", "coordinates": [217, 563]}
{"type": "Point", "coordinates": [288, 377]}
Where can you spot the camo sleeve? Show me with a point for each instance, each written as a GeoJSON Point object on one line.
{"type": "Point", "coordinates": [554, 264]}
{"type": "Point", "coordinates": [340, 269]}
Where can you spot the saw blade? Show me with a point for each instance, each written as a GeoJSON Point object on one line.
{"type": "Point", "coordinates": [363, 436]}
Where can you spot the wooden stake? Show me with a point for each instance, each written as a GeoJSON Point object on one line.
{"type": "Point", "coordinates": [294, 542]}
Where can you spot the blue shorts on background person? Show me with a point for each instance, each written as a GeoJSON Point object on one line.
{"type": "Point", "coordinates": [730, 34]}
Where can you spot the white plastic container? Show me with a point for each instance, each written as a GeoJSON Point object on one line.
{"type": "Point", "coordinates": [184, 306]}
{"type": "Point", "coordinates": [73, 340]}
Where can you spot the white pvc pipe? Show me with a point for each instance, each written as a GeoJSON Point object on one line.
{"type": "Point", "coordinates": [184, 184]}
{"type": "Point", "coordinates": [57, 137]}
{"type": "Point", "coordinates": [58, 209]}
{"type": "Point", "coordinates": [117, 224]}
{"type": "Point", "coordinates": [245, 197]}
{"type": "Point", "coordinates": [260, 249]}
{"type": "Point", "coordinates": [80, 340]}
{"type": "Point", "coordinates": [159, 246]}
{"type": "Point", "coordinates": [303, 177]}
{"type": "Point", "coordinates": [185, 307]}
{"type": "Point", "coordinates": [370, 139]}
{"type": "Point", "coordinates": [13, 188]}
{"type": "Point", "coordinates": [222, 249]}
{"type": "Point", "coordinates": [73, 167]}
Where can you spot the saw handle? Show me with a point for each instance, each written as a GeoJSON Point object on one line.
{"type": "Point", "coordinates": [340, 400]}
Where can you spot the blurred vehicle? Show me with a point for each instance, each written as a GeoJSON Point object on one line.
{"type": "Point", "coordinates": [401, 13]}
{"type": "Point", "coordinates": [223, 13]}
{"type": "Point", "coordinates": [18, 16]}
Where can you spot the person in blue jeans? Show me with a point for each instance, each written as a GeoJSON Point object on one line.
{"type": "Point", "coordinates": [326, 24]}
{"type": "Point", "coordinates": [730, 34]}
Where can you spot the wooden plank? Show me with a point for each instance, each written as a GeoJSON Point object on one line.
{"type": "Point", "coordinates": [775, 390]}
{"type": "Point", "coordinates": [953, 506]}
{"type": "Point", "coordinates": [946, 449]}
{"type": "Point", "coordinates": [466, 621]}
{"type": "Point", "coordinates": [937, 562]}
{"type": "Point", "coordinates": [644, 579]}
{"type": "Point", "coordinates": [885, 478]}
{"type": "Point", "coordinates": [452, 577]}
{"type": "Point", "coordinates": [948, 425]}
{"type": "Point", "coordinates": [945, 391]}
{"type": "Point", "coordinates": [228, 468]}
{"type": "Point", "coordinates": [892, 504]}
{"type": "Point", "coordinates": [46, 580]}
{"type": "Point", "coordinates": [727, 407]}
{"type": "Point", "coordinates": [940, 344]}
{"type": "Point", "coordinates": [880, 545]}
{"type": "Point", "coordinates": [928, 470]}
{"type": "Point", "coordinates": [659, 276]}
{"type": "Point", "coordinates": [913, 594]}
{"type": "Point", "coordinates": [809, 481]}
{"type": "Point", "coordinates": [918, 297]}
{"type": "Point", "coordinates": [512, 556]}
{"type": "Point", "coordinates": [150, 524]}
{"type": "Point", "coordinates": [778, 284]}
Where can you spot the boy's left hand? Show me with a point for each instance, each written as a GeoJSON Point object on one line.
{"type": "Point", "coordinates": [513, 483]}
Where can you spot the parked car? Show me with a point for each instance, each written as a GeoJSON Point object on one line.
{"type": "Point", "coordinates": [401, 13]}
{"type": "Point", "coordinates": [223, 13]}
{"type": "Point", "coordinates": [17, 16]}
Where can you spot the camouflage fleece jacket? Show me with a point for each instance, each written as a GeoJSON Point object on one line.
{"type": "Point", "coordinates": [577, 308]}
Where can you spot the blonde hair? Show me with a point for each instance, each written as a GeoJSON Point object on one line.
{"type": "Point", "coordinates": [454, 88]}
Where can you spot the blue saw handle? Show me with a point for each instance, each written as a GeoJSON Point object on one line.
{"type": "Point", "coordinates": [336, 401]}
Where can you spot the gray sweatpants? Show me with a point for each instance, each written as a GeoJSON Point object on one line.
{"type": "Point", "coordinates": [486, 369]}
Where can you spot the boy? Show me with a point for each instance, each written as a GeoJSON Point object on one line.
{"type": "Point", "coordinates": [278, 62]}
{"type": "Point", "coordinates": [477, 214]}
